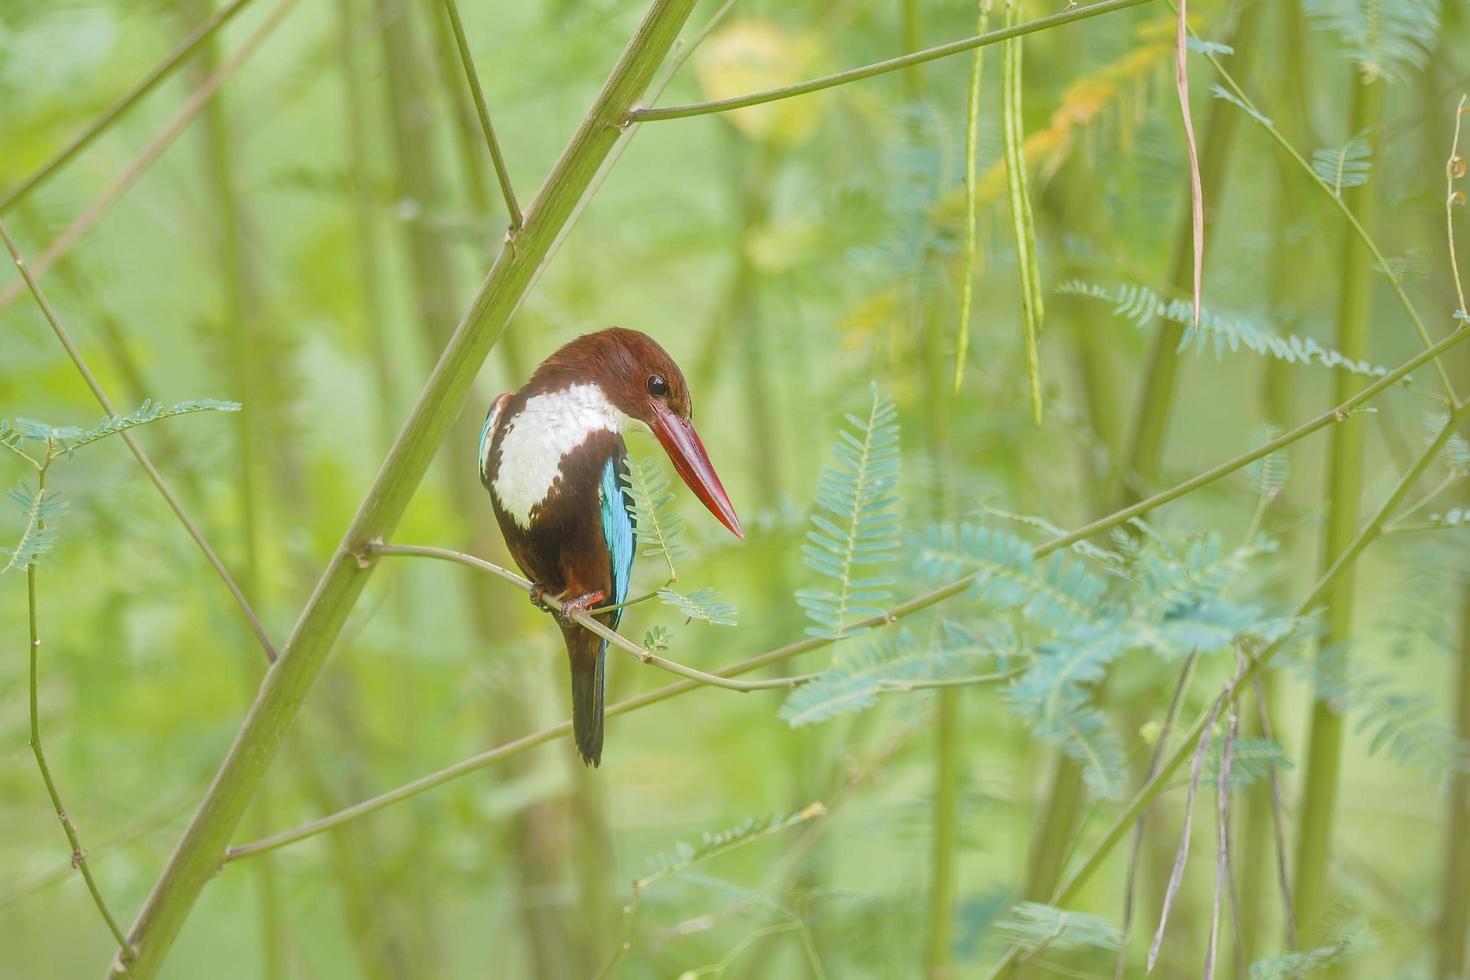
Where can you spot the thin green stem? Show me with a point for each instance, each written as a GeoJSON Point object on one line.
{"type": "Point", "coordinates": [1156, 785]}
{"type": "Point", "coordinates": [111, 114]}
{"type": "Point", "coordinates": [78, 853]}
{"type": "Point", "coordinates": [204, 843]}
{"type": "Point", "coordinates": [882, 67]}
{"type": "Point", "coordinates": [972, 198]}
{"type": "Point", "coordinates": [783, 653]}
{"type": "Point", "coordinates": [473, 77]}
{"type": "Point", "coordinates": [1322, 770]}
{"type": "Point", "coordinates": [143, 459]}
{"type": "Point", "coordinates": [587, 619]}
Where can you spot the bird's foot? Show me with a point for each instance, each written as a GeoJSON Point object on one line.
{"type": "Point", "coordinates": [538, 597]}
{"type": "Point", "coordinates": [581, 603]}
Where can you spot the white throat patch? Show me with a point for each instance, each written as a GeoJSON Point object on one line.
{"type": "Point", "coordinates": [537, 439]}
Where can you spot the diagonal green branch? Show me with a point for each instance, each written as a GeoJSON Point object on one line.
{"type": "Point", "coordinates": [204, 843]}
{"type": "Point", "coordinates": [166, 67]}
{"type": "Point", "coordinates": [143, 458]}
{"type": "Point", "coordinates": [1068, 16]}
{"type": "Point", "coordinates": [473, 77]}
{"type": "Point", "coordinates": [513, 748]}
{"type": "Point", "coordinates": [589, 622]}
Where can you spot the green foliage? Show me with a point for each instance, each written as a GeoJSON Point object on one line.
{"type": "Point", "coordinates": [1343, 166]}
{"type": "Point", "coordinates": [1404, 726]}
{"type": "Point", "coordinates": [1142, 306]}
{"type": "Point", "coordinates": [1033, 926]}
{"type": "Point", "coordinates": [1387, 38]}
{"type": "Point", "coordinates": [855, 525]}
{"type": "Point", "coordinates": [685, 855]}
{"type": "Point", "coordinates": [657, 639]}
{"type": "Point", "coordinates": [1269, 473]}
{"type": "Point", "coordinates": [702, 604]}
{"type": "Point", "coordinates": [1221, 92]}
{"type": "Point", "coordinates": [1251, 760]}
{"type": "Point", "coordinates": [39, 508]}
{"type": "Point", "coordinates": [658, 521]}
{"type": "Point", "coordinates": [1344, 937]}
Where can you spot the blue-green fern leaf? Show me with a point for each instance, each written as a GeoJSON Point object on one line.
{"type": "Point", "coordinates": [71, 438]}
{"type": "Point", "coordinates": [1033, 926]}
{"type": "Point", "coordinates": [39, 508]}
{"type": "Point", "coordinates": [685, 855]}
{"type": "Point", "coordinates": [658, 521]}
{"type": "Point", "coordinates": [704, 604]}
{"type": "Point", "coordinates": [1387, 38]}
{"type": "Point", "coordinates": [1143, 306]}
{"type": "Point", "coordinates": [1343, 166]}
{"type": "Point", "coordinates": [1251, 760]}
{"type": "Point", "coordinates": [855, 525]}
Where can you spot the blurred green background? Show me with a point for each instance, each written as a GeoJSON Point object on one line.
{"type": "Point", "coordinates": [306, 244]}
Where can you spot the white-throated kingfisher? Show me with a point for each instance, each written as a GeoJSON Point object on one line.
{"type": "Point", "coordinates": [553, 459]}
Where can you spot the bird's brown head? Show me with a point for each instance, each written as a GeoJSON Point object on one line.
{"type": "Point", "coordinates": [642, 381]}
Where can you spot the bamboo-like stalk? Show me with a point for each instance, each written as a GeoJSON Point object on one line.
{"type": "Point", "coordinates": [482, 112]}
{"type": "Point", "coordinates": [1453, 926]}
{"type": "Point", "coordinates": [1069, 16]}
{"type": "Point", "coordinates": [1140, 467]}
{"type": "Point", "coordinates": [205, 840]}
{"type": "Point", "coordinates": [1150, 790]}
{"type": "Point", "coordinates": [887, 617]}
{"type": "Point", "coordinates": [1320, 774]}
{"type": "Point", "coordinates": [247, 349]}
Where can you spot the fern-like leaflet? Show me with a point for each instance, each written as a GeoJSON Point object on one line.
{"type": "Point", "coordinates": [855, 525]}
{"type": "Point", "coordinates": [68, 439]}
{"type": "Point", "coordinates": [1142, 306]}
{"type": "Point", "coordinates": [1251, 760]}
{"type": "Point", "coordinates": [40, 508]}
{"type": "Point", "coordinates": [686, 855]}
{"type": "Point", "coordinates": [1032, 926]}
{"type": "Point", "coordinates": [1387, 38]}
{"type": "Point", "coordinates": [1343, 166]}
{"type": "Point", "coordinates": [704, 604]}
{"type": "Point", "coordinates": [658, 521]}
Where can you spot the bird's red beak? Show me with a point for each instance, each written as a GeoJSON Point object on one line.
{"type": "Point", "coordinates": [682, 444]}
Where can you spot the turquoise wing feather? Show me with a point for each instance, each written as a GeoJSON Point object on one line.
{"type": "Point", "coordinates": [618, 531]}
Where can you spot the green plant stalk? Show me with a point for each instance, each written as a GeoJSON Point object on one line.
{"type": "Point", "coordinates": [98, 126]}
{"type": "Point", "coordinates": [204, 842]}
{"type": "Point", "coordinates": [1320, 774]}
{"type": "Point", "coordinates": [942, 873]}
{"type": "Point", "coordinates": [882, 67]}
{"type": "Point", "coordinates": [1139, 471]}
{"type": "Point", "coordinates": [483, 113]}
{"type": "Point", "coordinates": [78, 853]}
{"type": "Point", "coordinates": [367, 245]}
{"type": "Point", "coordinates": [247, 348]}
{"type": "Point", "coordinates": [892, 615]}
{"type": "Point", "coordinates": [1453, 927]}
{"type": "Point", "coordinates": [1185, 750]}
{"type": "Point", "coordinates": [142, 457]}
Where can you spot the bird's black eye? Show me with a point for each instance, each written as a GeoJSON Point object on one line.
{"type": "Point", "coordinates": [657, 386]}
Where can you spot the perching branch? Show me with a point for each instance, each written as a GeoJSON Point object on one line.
{"type": "Point", "coordinates": [151, 152]}
{"type": "Point", "coordinates": [165, 68]}
{"type": "Point", "coordinates": [780, 654]}
{"type": "Point", "coordinates": [1155, 785]}
{"type": "Point", "coordinates": [137, 450]}
{"type": "Point", "coordinates": [473, 77]}
{"type": "Point", "coordinates": [588, 621]}
{"type": "Point", "coordinates": [882, 67]}
{"type": "Point", "coordinates": [78, 853]}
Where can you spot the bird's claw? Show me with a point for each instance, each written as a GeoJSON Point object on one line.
{"type": "Point", "coordinates": [538, 598]}
{"type": "Point", "coordinates": [570, 607]}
